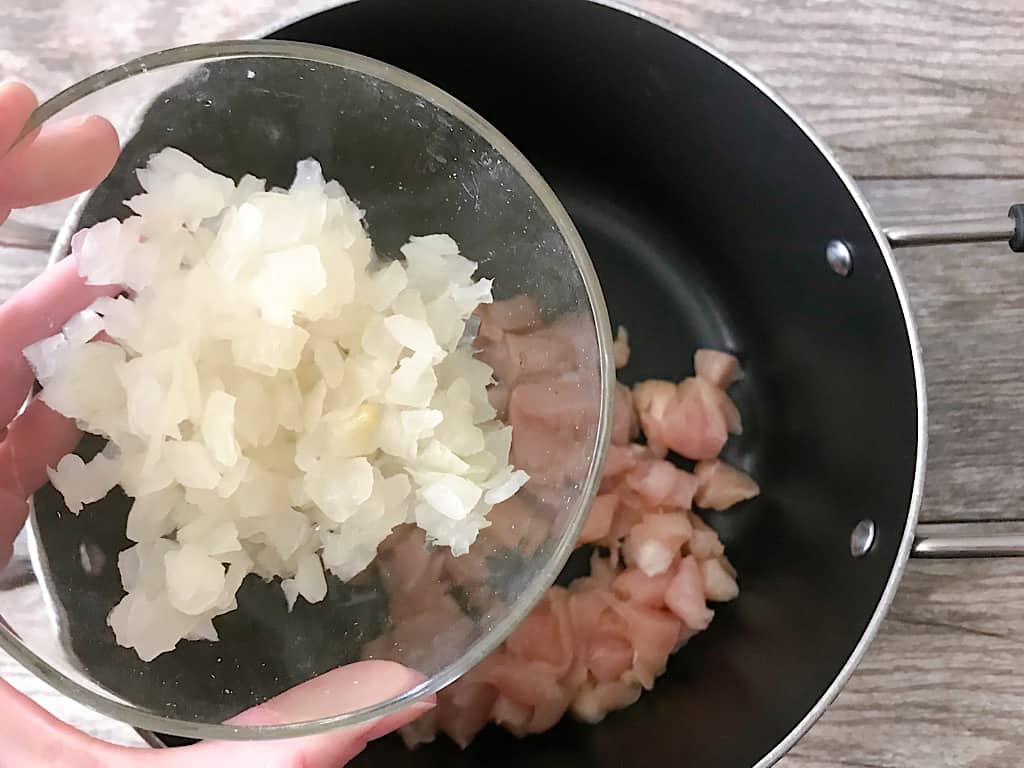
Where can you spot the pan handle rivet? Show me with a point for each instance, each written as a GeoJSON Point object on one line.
{"type": "Point", "coordinates": [839, 257]}
{"type": "Point", "coordinates": [862, 538]}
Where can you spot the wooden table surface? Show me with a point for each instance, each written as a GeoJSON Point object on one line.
{"type": "Point", "coordinates": [922, 101]}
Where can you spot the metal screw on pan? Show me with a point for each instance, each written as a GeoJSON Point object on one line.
{"type": "Point", "coordinates": [839, 257]}
{"type": "Point", "coordinates": [862, 538]}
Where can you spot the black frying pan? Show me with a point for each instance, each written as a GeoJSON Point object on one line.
{"type": "Point", "coordinates": [715, 218]}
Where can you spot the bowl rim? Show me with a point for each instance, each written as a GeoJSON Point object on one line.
{"type": "Point", "coordinates": [323, 55]}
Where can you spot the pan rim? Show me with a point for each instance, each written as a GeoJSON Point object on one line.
{"type": "Point", "coordinates": [917, 492]}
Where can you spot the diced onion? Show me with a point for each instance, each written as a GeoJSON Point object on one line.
{"type": "Point", "coordinates": [276, 399]}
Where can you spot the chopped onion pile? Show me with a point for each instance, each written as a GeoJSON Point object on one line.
{"type": "Point", "coordinates": [276, 399]}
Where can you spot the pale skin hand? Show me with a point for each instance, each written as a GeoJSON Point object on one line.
{"type": "Point", "coordinates": [61, 160]}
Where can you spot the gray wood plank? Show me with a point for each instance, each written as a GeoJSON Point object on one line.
{"type": "Point", "coordinates": [899, 87]}
{"type": "Point", "coordinates": [943, 684]}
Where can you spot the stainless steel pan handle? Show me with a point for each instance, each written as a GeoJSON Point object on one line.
{"type": "Point", "coordinates": [993, 230]}
{"type": "Point", "coordinates": [1008, 229]}
{"type": "Point", "coordinates": [950, 546]}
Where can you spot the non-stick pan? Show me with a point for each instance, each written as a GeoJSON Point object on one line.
{"type": "Point", "coordinates": [716, 218]}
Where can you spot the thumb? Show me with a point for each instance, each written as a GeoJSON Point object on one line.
{"type": "Point", "coordinates": [341, 690]}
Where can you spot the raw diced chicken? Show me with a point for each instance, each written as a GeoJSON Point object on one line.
{"type": "Point", "coordinates": [733, 419]}
{"type": "Point", "coordinates": [520, 680]}
{"type": "Point", "coordinates": [594, 647]}
{"type": "Point", "coordinates": [704, 543]}
{"type": "Point", "coordinates": [464, 709]}
{"type": "Point", "coordinates": [718, 368]}
{"type": "Point", "coordinates": [562, 405]}
{"type": "Point", "coordinates": [422, 730]}
{"type": "Point", "coordinates": [519, 355]}
{"type": "Point", "coordinates": [625, 426]}
{"type": "Point", "coordinates": [685, 595]}
{"type": "Point", "coordinates": [628, 513]}
{"type": "Point", "coordinates": [551, 420]}
{"type": "Point", "coordinates": [654, 543]}
{"type": "Point", "coordinates": [693, 418]}
{"type": "Point", "coordinates": [599, 521]}
{"type": "Point", "coordinates": [512, 716]}
{"type": "Point", "coordinates": [694, 424]}
{"type": "Point", "coordinates": [652, 399]}
{"type": "Point", "coordinates": [607, 655]}
{"type": "Point", "coordinates": [620, 348]}
{"type": "Point", "coordinates": [541, 698]}
{"type": "Point", "coordinates": [662, 484]}
{"type": "Point", "coordinates": [653, 633]}
{"type": "Point", "coordinates": [433, 636]}
{"type": "Point", "coordinates": [621, 458]}
{"type": "Point", "coordinates": [470, 570]}
{"type": "Point", "coordinates": [546, 634]}
{"type": "Point", "coordinates": [635, 586]}
{"type": "Point", "coordinates": [410, 571]}
{"type": "Point", "coordinates": [719, 580]}
{"type": "Point", "coordinates": [519, 313]}
{"type": "Point", "coordinates": [596, 700]}
{"type": "Point", "coordinates": [720, 486]}
{"type": "Point", "coordinates": [519, 525]}
{"type": "Point", "coordinates": [576, 330]}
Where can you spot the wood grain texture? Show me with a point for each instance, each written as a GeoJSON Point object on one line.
{"type": "Point", "coordinates": [941, 685]}
{"type": "Point", "coordinates": [898, 87]}
{"type": "Point", "coordinates": [909, 93]}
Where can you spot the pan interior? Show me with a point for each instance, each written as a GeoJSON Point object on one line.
{"type": "Point", "coordinates": [707, 211]}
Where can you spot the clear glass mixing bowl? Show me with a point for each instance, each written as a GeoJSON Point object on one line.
{"type": "Point", "coordinates": [418, 161]}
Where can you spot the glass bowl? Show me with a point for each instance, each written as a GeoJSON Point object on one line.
{"type": "Point", "coordinates": [418, 161]}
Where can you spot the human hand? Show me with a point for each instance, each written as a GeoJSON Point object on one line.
{"type": "Point", "coordinates": [61, 160]}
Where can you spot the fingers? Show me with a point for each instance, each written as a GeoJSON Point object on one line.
{"type": "Point", "coordinates": [31, 736]}
{"type": "Point", "coordinates": [38, 310]}
{"type": "Point", "coordinates": [60, 160]}
{"type": "Point", "coordinates": [345, 689]}
{"type": "Point", "coordinates": [37, 439]}
{"type": "Point", "coordinates": [65, 158]}
{"type": "Point", "coordinates": [16, 105]}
